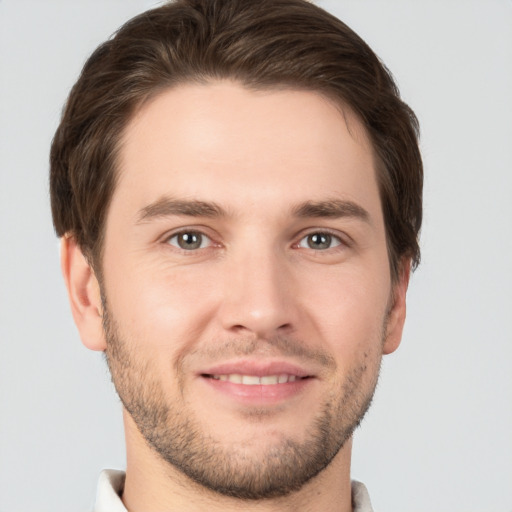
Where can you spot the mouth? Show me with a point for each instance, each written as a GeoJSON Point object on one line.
{"type": "Point", "coordinates": [255, 380]}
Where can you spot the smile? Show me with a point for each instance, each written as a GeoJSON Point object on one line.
{"type": "Point", "coordinates": [257, 383]}
{"type": "Point", "coordinates": [254, 380]}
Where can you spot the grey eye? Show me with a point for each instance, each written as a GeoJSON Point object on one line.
{"type": "Point", "coordinates": [189, 240]}
{"type": "Point", "coordinates": [319, 241]}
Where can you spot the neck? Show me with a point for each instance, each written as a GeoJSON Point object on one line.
{"type": "Point", "coordinates": [153, 484]}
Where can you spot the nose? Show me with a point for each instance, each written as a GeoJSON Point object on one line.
{"type": "Point", "coordinates": [259, 296]}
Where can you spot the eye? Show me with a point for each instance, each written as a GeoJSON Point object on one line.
{"type": "Point", "coordinates": [189, 240]}
{"type": "Point", "coordinates": [320, 241]}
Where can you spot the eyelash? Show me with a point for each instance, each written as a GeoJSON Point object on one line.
{"type": "Point", "coordinates": [340, 242]}
{"type": "Point", "coordinates": [193, 232]}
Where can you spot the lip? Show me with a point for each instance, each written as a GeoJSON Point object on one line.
{"type": "Point", "coordinates": [257, 368]}
{"type": "Point", "coordinates": [257, 394]}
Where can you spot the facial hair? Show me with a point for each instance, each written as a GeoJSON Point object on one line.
{"type": "Point", "coordinates": [176, 435]}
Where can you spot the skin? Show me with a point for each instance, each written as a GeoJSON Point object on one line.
{"type": "Point", "coordinates": [257, 279]}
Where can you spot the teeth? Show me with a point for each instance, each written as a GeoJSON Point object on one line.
{"type": "Point", "coordinates": [250, 380]}
{"type": "Point", "coordinates": [253, 380]}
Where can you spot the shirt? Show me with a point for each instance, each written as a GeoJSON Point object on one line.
{"type": "Point", "coordinates": [111, 483]}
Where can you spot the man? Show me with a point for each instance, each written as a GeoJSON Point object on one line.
{"type": "Point", "coordinates": [237, 185]}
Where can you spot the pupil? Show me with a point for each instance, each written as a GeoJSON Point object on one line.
{"type": "Point", "coordinates": [319, 241]}
{"type": "Point", "coordinates": [190, 241]}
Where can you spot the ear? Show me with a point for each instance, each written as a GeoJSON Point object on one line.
{"type": "Point", "coordinates": [397, 311]}
{"type": "Point", "coordinates": [84, 294]}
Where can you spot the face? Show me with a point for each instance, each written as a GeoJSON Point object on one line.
{"type": "Point", "coordinates": [246, 285]}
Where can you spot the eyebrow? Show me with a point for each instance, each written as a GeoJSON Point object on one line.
{"type": "Point", "coordinates": [332, 208]}
{"type": "Point", "coordinates": [166, 207]}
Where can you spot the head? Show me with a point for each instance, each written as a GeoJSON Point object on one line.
{"type": "Point", "coordinates": [254, 122]}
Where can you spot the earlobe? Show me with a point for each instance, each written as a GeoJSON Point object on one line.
{"type": "Point", "coordinates": [397, 311]}
{"type": "Point", "coordinates": [84, 294]}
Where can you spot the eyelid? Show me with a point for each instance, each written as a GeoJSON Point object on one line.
{"type": "Point", "coordinates": [344, 239]}
{"type": "Point", "coordinates": [200, 230]}
{"type": "Point", "coordinates": [205, 241]}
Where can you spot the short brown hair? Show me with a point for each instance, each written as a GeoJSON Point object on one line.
{"type": "Point", "coordinates": [258, 43]}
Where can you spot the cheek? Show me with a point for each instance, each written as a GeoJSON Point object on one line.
{"type": "Point", "coordinates": [349, 310]}
{"type": "Point", "coordinates": [160, 307]}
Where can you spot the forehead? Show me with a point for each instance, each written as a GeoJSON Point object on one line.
{"type": "Point", "coordinates": [244, 146]}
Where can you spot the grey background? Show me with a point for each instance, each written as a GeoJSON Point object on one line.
{"type": "Point", "coordinates": [439, 435]}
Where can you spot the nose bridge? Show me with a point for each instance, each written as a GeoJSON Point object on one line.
{"type": "Point", "coordinates": [258, 297]}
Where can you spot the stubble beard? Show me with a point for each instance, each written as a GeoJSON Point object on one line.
{"type": "Point", "coordinates": [177, 436]}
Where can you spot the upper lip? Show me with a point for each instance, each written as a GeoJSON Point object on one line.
{"type": "Point", "coordinates": [257, 368]}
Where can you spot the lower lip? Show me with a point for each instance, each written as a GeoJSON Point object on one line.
{"type": "Point", "coordinates": [259, 394]}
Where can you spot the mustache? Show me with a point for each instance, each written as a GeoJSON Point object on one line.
{"type": "Point", "coordinates": [276, 346]}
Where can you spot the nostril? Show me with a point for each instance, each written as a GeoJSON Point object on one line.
{"type": "Point", "coordinates": [263, 330]}
{"type": "Point", "coordinates": [239, 328]}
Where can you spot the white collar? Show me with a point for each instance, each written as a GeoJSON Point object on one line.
{"type": "Point", "coordinates": [110, 486]}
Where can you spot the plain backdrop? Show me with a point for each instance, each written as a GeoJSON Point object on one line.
{"type": "Point", "coordinates": [439, 435]}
